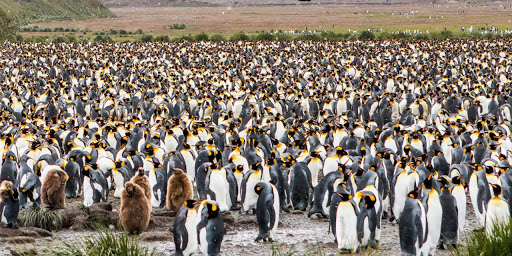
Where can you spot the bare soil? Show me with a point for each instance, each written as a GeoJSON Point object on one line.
{"type": "Point", "coordinates": [296, 233]}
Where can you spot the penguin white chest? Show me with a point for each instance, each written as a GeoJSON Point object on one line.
{"type": "Point", "coordinates": [346, 226]}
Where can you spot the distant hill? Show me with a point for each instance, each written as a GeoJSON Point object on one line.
{"type": "Point", "coordinates": [25, 11]}
{"type": "Point", "coordinates": [148, 3]}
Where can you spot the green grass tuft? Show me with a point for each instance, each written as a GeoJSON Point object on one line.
{"type": "Point", "coordinates": [478, 242]}
{"type": "Point", "coordinates": [106, 243]}
{"type": "Point", "coordinates": [44, 218]}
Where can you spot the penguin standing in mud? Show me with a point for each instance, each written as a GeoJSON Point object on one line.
{"type": "Point", "coordinates": [412, 226]}
{"type": "Point", "coordinates": [185, 229]}
{"type": "Point", "coordinates": [135, 210]}
{"type": "Point", "coordinates": [210, 228]}
{"type": "Point", "coordinates": [449, 226]}
{"type": "Point", "coordinates": [322, 193]}
{"type": "Point", "coordinates": [346, 222]}
{"type": "Point", "coordinates": [267, 210]}
{"type": "Point", "coordinates": [459, 194]}
{"type": "Point", "coordinates": [9, 204]}
{"type": "Point", "coordinates": [479, 193]}
{"type": "Point", "coordinates": [434, 213]}
{"type": "Point", "coordinates": [53, 188]}
{"type": "Point", "coordinates": [299, 183]}
{"type": "Point", "coordinates": [368, 219]}
{"type": "Point", "coordinates": [179, 189]}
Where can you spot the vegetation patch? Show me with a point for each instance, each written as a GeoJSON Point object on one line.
{"type": "Point", "coordinates": [24, 12]}
{"type": "Point", "coordinates": [105, 243]}
{"type": "Point", "coordinates": [44, 218]}
{"type": "Point", "coordinates": [478, 242]}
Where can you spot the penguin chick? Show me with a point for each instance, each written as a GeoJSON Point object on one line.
{"type": "Point", "coordinates": [179, 189]}
{"type": "Point", "coordinates": [142, 180]}
{"type": "Point", "coordinates": [53, 188]}
{"type": "Point", "coordinates": [135, 211]}
{"type": "Point", "coordinates": [9, 204]}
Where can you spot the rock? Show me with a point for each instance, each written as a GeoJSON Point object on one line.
{"type": "Point", "coordinates": [164, 213]}
{"type": "Point", "coordinates": [249, 221]}
{"type": "Point", "coordinates": [228, 218]}
{"type": "Point", "coordinates": [159, 222]}
{"type": "Point", "coordinates": [17, 240]}
{"type": "Point", "coordinates": [105, 206]}
{"type": "Point", "coordinates": [156, 236]}
{"type": "Point", "coordinates": [24, 232]}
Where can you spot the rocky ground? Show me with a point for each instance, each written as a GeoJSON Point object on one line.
{"type": "Point", "coordinates": [296, 233]}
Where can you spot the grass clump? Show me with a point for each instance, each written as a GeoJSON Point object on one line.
{"type": "Point", "coordinates": [278, 250]}
{"type": "Point", "coordinates": [44, 218]}
{"type": "Point", "coordinates": [478, 242]}
{"type": "Point", "coordinates": [366, 35]}
{"type": "Point", "coordinates": [106, 243]}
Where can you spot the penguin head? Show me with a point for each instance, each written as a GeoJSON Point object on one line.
{"type": "Point", "coordinates": [489, 169]}
{"type": "Point", "coordinates": [370, 200]}
{"type": "Point", "coordinates": [213, 210]}
{"type": "Point", "coordinates": [458, 180]}
{"type": "Point", "coordinates": [374, 167]}
{"type": "Point", "coordinates": [8, 190]}
{"type": "Point", "coordinates": [238, 169]}
{"type": "Point", "coordinates": [271, 161]}
{"type": "Point", "coordinates": [258, 188]}
{"type": "Point", "coordinates": [87, 171]}
{"type": "Point", "coordinates": [427, 184]}
{"type": "Point", "coordinates": [140, 172]}
{"type": "Point", "coordinates": [414, 194]}
{"type": "Point", "coordinates": [343, 193]}
{"type": "Point", "coordinates": [496, 189]}
{"type": "Point", "coordinates": [363, 151]}
{"type": "Point", "coordinates": [256, 166]}
{"type": "Point", "coordinates": [444, 180]}
{"type": "Point", "coordinates": [341, 167]}
{"type": "Point", "coordinates": [190, 203]}
{"type": "Point", "coordinates": [359, 172]}
{"type": "Point", "coordinates": [340, 151]}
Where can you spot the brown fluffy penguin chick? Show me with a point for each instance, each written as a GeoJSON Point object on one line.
{"type": "Point", "coordinates": [143, 181]}
{"type": "Point", "coordinates": [135, 212]}
{"type": "Point", "coordinates": [179, 189]}
{"type": "Point", "coordinates": [53, 188]}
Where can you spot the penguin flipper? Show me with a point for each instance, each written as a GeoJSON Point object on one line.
{"type": "Point", "coordinates": [271, 213]}
{"type": "Point", "coordinates": [360, 226]}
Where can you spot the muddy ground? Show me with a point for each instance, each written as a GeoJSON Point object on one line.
{"type": "Point", "coordinates": [296, 233]}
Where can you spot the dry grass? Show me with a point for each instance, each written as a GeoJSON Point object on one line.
{"type": "Point", "coordinates": [338, 18]}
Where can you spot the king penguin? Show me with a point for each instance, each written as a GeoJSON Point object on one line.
{"type": "Point", "coordinates": [210, 228]}
{"type": "Point", "coordinates": [267, 210]}
{"type": "Point", "coordinates": [412, 226]}
{"type": "Point", "coordinates": [185, 229]}
{"type": "Point", "coordinates": [497, 211]}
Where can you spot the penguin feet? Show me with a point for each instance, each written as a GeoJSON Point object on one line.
{"type": "Point", "coordinates": [236, 208]}
{"type": "Point", "coordinates": [12, 225]}
{"type": "Point", "coordinates": [264, 238]}
{"type": "Point", "coordinates": [385, 215]}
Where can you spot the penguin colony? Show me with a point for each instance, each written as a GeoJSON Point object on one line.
{"type": "Point", "coordinates": [350, 131]}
